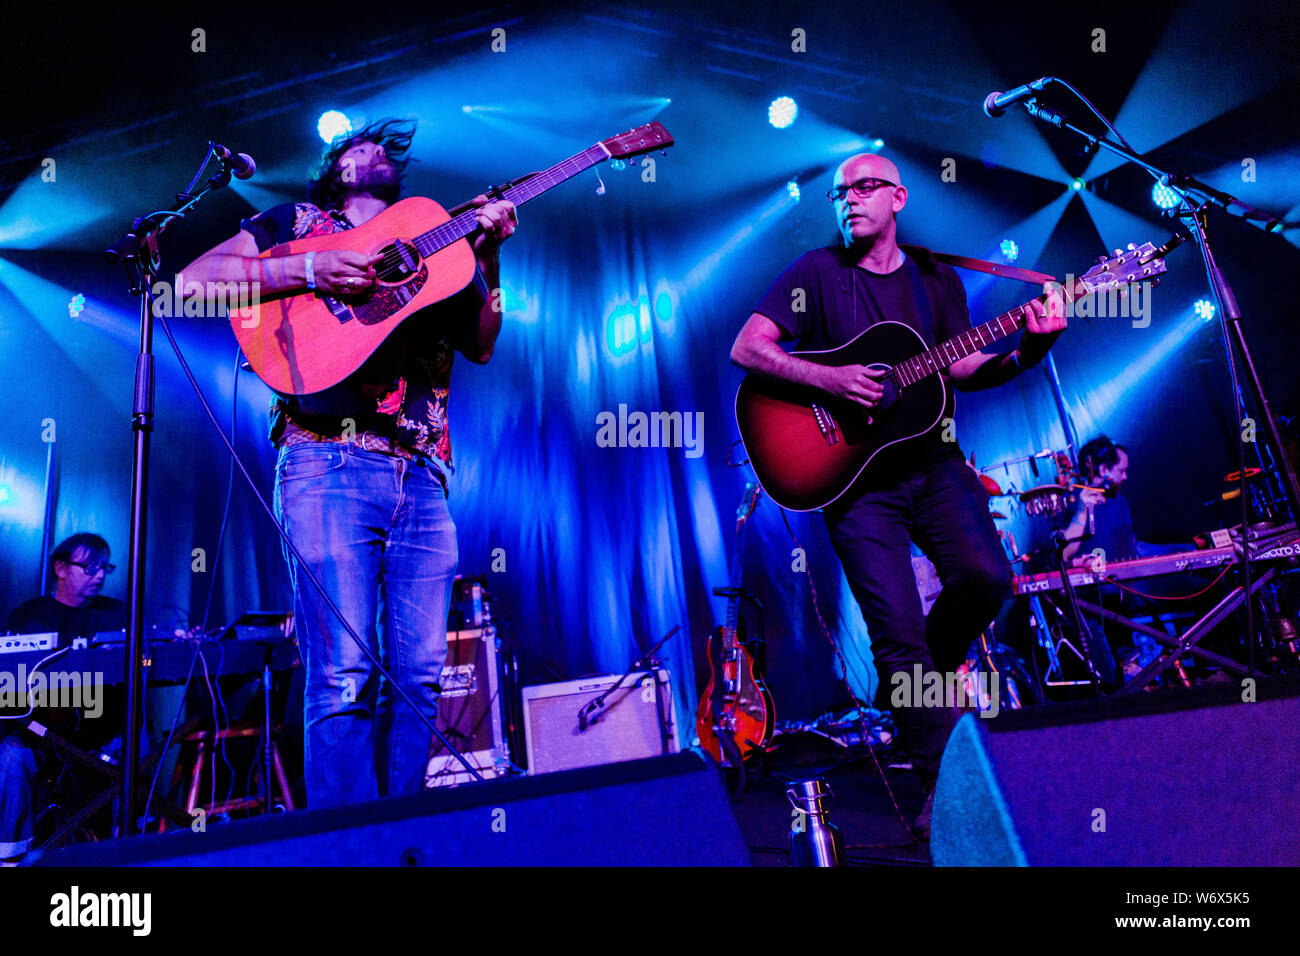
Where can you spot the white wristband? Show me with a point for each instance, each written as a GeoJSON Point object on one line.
{"type": "Point", "coordinates": [311, 270]}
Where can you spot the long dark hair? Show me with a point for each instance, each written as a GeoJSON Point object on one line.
{"type": "Point", "coordinates": [1098, 452]}
{"type": "Point", "coordinates": [325, 188]}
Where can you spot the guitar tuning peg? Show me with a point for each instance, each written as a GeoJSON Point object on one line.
{"type": "Point", "coordinates": [1100, 260]}
{"type": "Point", "coordinates": [1131, 247]}
{"type": "Point", "coordinates": [1119, 252]}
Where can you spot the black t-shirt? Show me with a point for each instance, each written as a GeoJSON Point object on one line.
{"type": "Point", "coordinates": [824, 300]}
{"type": "Point", "coordinates": [43, 614]}
{"type": "Point", "coordinates": [840, 299]}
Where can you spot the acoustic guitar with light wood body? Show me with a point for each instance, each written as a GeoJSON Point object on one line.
{"type": "Point", "coordinates": [308, 341]}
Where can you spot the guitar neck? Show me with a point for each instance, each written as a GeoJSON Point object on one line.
{"type": "Point", "coordinates": [959, 346]}
{"type": "Point", "coordinates": [737, 575]}
{"type": "Point", "coordinates": [466, 223]}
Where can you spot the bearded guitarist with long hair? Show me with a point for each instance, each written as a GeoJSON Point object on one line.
{"type": "Point", "coordinates": [920, 490]}
{"type": "Point", "coordinates": [364, 465]}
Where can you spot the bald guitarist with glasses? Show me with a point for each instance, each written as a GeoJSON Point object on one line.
{"type": "Point", "coordinates": [918, 490]}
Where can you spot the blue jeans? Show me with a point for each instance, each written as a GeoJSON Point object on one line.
{"type": "Point", "coordinates": [18, 769]}
{"type": "Point", "coordinates": [376, 532]}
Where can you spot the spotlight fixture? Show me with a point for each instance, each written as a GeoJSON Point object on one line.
{"type": "Point", "coordinates": [782, 112]}
{"type": "Point", "coordinates": [1164, 197]}
{"type": "Point", "coordinates": [333, 124]}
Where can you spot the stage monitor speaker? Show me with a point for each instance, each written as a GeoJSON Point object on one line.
{"type": "Point", "coordinates": [1171, 778]}
{"type": "Point", "coordinates": [665, 811]}
{"type": "Point", "coordinates": [633, 722]}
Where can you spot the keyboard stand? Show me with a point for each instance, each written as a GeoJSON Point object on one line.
{"type": "Point", "coordinates": [1184, 644]}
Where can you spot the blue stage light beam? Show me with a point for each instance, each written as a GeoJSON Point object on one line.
{"type": "Point", "coordinates": [40, 215]}
{"type": "Point", "coordinates": [1118, 227]}
{"type": "Point", "coordinates": [1033, 234]}
{"type": "Point", "coordinates": [45, 303]}
{"type": "Point", "coordinates": [736, 236]}
{"type": "Point", "coordinates": [260, 197]}
{"type": "Point", "coordinates": [23, 502]}
{"type": "Point", "coordinates": [1176, 92]}
{"type": "Point", "coordinates": [1114, 392]}
{"type": "Point", "coordinates": [1270, 181]}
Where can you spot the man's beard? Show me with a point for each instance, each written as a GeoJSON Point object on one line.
{"type": "Point", "coordinates": [382, 182]}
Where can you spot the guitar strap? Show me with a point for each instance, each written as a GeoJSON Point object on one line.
{"type": "Point", "coordinates": [925, 305]}
{"type": "Point", "coordinates": [994, 268]}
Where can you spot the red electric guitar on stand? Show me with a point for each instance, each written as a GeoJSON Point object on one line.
{"type": "Point", "coordinates": [735, 719]}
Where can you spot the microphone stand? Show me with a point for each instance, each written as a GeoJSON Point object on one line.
{"type": "Point", "coordinates": [138, 253]}
{"type": "Point", "coordinates": [594, 705]}
{"type": "Point", "coordinates": [1197, 197]}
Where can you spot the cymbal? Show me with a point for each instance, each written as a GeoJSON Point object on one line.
{"type": "Point", "coordinates": [1039, 491]}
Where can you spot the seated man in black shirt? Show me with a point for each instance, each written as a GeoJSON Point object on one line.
{"type": "Point", "coordinates": [925, 492]}
{"type": "Point", "coordinates": [80, 566]}
{"type": "Point", "coordinates": [77, 608]}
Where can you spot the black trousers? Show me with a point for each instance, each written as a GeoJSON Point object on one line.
{"type": "Point", "coordinates": [943, 507]}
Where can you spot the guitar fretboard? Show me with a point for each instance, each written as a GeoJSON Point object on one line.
{"type": "Point", "coordinates": [461, 226]}
{"type": "Point", "coordinates": [958, 347]}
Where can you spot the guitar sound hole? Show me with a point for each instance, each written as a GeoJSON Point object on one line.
{"type": "Point", "coordinates": [401, 261]}
{"type": "Point", "coordinates": [890, 397]}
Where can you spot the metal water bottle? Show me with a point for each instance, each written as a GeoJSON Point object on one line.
{"type": "Point", "coordinates": [814, 840]}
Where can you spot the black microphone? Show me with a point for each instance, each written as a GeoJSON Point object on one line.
{"type": "Point", "coordinates": [241, 164]}
{"type": "Point", "coordinates": [995, 104]}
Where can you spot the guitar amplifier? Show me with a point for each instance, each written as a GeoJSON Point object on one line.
{"type": "Point", "coordinates": [627, 727]}
{"type": "Point", "coordinates": [469, 711]}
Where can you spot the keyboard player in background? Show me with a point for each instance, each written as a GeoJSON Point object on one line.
{"type": "Point", "coordinates": [81, 567]}
{"type": "Point", "coordinates": [1103, 518]}
{"type": "Point", "coordinates": [1104, 522]}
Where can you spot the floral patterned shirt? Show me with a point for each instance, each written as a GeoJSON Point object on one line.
{"type": "Point", "coordinates": [398, 399]}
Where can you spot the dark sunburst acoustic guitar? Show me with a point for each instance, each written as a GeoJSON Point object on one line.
{"type": "Point", "coordinates": [809, 448]}
{"type": "Point", "coordinates": [307, 342]}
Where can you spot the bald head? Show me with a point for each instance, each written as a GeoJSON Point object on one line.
{"type": "Point", "coordinates": [866, 166]}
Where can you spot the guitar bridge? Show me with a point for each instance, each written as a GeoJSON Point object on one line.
{"type": "Point", "coordinates": [826, 425]}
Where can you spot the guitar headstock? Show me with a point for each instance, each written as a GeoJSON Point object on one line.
{"type": "Point", "coordinates": [1135, 264]}
{"type": "Point", "coordinates": [643, 139]}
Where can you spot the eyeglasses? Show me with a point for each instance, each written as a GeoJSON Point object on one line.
{"type": "Point", "coordinates": [863, 187]}
{"type": "Point", "coordinates": [93, 569]}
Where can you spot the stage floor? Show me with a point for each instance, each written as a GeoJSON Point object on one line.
{"type": "Point", "coordinates": [873, 833]}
